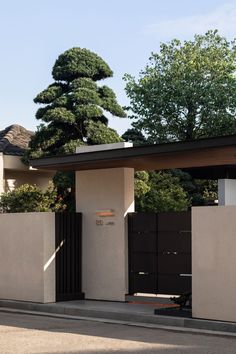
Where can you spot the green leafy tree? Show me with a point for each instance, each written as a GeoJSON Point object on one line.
{"type": "Point", "coordinates": [164, 193]}
{"type": "Point", "coordinates": [199, 191]}
{"type": "Point", "coordinates": [30, 198]}
{"type": "Point", "coordinates": [187, 91]}
{"type": "Point", "coordinates": [74, 106]}
{"type": "Point", "coordinates": [141, 184]}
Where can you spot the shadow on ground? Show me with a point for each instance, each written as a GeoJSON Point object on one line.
{"type": "Point", "coordinates": [138, 340]}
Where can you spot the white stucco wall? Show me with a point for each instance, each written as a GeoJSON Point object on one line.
{"type": "Point", "coordinates": [12, 162]}
{"type": "Point", "coordinates": [13, 173]}
{"type": "Point", "coordinates": [14, 179]}
{"type": "Point", "coordinates": [104, 255]}
{"type": "Point", "coordinates": [27, 263]}
{"type": "Point", "coordinates": [214, 262]}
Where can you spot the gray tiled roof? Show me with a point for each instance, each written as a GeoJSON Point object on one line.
{"type": "Point", "coordinates": [14, 140]}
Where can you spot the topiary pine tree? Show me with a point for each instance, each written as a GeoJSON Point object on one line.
{"type": "Point", "coordinates": [75, 105]}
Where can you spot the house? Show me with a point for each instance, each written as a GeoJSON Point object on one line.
{"type": "Point", "coordinates": [14, 140]}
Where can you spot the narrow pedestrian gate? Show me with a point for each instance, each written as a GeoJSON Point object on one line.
{"type": "Point", "coordinates": [160, 252]}
{"type": "Point", "coordinates": [68, 256]}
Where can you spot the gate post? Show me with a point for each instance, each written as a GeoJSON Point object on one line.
{"type": "Point", "coordinates": [105, 197]}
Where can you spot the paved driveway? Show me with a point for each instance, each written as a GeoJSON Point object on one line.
{"type": "Point", "coordinates": [37, 334]}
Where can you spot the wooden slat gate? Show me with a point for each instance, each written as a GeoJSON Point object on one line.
{"type": "Point", "coordinates": [160, 253]}
{"type": "Point", "coordinates": [68, 256]}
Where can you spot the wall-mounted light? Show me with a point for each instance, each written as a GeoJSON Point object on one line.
{"type": "Point", "coordinates": [105, 213]}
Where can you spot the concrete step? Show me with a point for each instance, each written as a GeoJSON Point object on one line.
{"type": "Point", "coordinates": [159, 299]}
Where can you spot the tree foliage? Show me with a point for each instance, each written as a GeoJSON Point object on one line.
{"type": "Point", "coordinates": [173, 190]}
{"type": "Point", "coordinates": [135, 136]}
{"type": "Point", "coordinates": [73, 112]}
{"type": "Point", "coordinates": [162, 193]}
{"type": "Point", "coordinates": [199, 191]}
{"type": "Point", "coordinates": [98, 133]}
{"type": "Point", "coordinates": [74, 105]}
{"type": "Point", "coordinates": [187, 91]}
{"type": "Point", "coordinates": [141, 184]}
{"type": "Point", "coordinates": [30, 198]}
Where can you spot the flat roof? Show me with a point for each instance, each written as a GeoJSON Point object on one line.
{"type": "Point", "coordinates": [201, 154]}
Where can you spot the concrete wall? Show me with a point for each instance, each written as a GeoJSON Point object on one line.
{"type": "Point", "coordinates": [214, 262]}
{"type": "Point", "coordinates": [27, 262]}
{"type": "Point", "coordinates": [104, 256]}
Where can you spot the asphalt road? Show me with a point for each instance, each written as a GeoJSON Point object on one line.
{"type": "Point", "coordinates": [21, 333]}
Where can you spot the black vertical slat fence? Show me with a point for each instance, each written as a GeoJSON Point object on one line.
{"type": "Point", "coordinates": [68, 256]}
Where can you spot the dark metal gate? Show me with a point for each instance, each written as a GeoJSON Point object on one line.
{"type": "Point", "coordinates": [142, 253]}
{"type": "Point", "coordinates": [160, 252]}
{"type": "Point", "coordinates": [68, 256]}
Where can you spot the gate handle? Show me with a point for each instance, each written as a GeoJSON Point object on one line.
{"type": "Point", "coordinates": [143, 273]}
{"type": "Point", "coordinates": [184, 231]}
{"type": "Point", "coordinates": [169, 253]}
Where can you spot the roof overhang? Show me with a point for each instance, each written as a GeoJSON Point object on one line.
{"type": "Point", "coordinates": [215, 153]}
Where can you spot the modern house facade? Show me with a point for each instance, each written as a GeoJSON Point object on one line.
{"type": "Point", "coordinates": [104, 186]}
{"type": "Point", "coordinates": [105, 199]}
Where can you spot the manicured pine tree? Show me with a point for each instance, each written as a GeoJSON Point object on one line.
{"type": "Point", "coordinates": [75, 106]}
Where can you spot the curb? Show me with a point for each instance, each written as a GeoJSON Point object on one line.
{"type": "Point", "coordinates": [125, 318]}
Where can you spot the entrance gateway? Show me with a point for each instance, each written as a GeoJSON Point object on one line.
{"type": "Point", "coordinates": [104, 184]}
{"type": "Point", "coordinates": [159, 254]}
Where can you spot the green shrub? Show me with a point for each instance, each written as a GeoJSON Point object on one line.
{"type": "Point", "coordinates": [164, 193]}
{"type": "Point", "coordinates": [30, 198]}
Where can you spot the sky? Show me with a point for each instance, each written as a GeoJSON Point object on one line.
{"type": "Point", "coordinates": [33, 33]}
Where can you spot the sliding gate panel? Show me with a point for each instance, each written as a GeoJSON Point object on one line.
{"type": "Point", "coordinates": [160, 252]}
{"type": "Point", "coordinates": [174, 252]}
{"type": "Point", "coordinates": [142, 252]}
